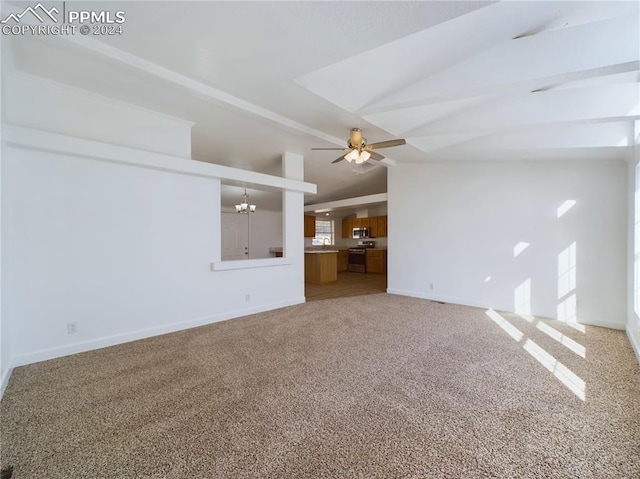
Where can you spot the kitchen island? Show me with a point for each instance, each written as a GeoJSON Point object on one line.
{"type": "Point", "coordinates": [321, 266]}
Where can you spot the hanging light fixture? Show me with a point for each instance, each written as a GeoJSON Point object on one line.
{"type": "Point", "coordinates": [245, 207]}
{"type": "Point", "coordinates": [357, 156]}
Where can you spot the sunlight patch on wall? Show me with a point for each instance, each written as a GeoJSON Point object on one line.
{"type": "Point", "coordinates": [559, 370]}
{"type": "Point", "coordinates": [519, 248]}
{"type": "Point", "coordinates": [564, 207]}
{"type": "Point", "coordinates": [567, 309]}
{"type": "Point", "coordinates": [522, 298]}
{"type": "Point", "coordinates": [567, 271]}
{"type": "Point", "coordinates": [567, 313]}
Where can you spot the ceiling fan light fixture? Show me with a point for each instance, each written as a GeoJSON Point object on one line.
{"type": "Point", "coordinates": [358, 151]}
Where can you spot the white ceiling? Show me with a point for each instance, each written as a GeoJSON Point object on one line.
{"type": "Point", "coordinates": [459, 80]}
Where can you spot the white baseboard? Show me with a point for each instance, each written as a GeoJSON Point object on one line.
{"type": "Point", "coordinates": [81, 347]}
{"type": "Point", "coordinates": [604, 324]}
{"type": "Point", "coordinates": [634, 343]}
{"type": "Point", "coordinates": [434, 297]}
{"type": "Point", "coordinates": [465, 302]}
{"type": "Point", "coordinates": [4, 382]}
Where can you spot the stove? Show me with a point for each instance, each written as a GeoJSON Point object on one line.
{"type": "Point", "coordinates": [358, 256]}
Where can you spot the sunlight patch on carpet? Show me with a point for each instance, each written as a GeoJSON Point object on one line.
{"type": "Point", "coordinates": [559, 370]}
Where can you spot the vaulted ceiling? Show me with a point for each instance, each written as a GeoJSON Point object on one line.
{"type": "Point", "coordinates": [459, 80]}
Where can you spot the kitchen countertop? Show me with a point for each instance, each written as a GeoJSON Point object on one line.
{"type": "Point", "coordinates": [312, 249]}
{"type": "Point", "coordinates": [321, 249]}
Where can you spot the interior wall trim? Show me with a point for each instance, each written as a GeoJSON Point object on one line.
{"type": "Point", "coordinates": [103, 342]}
{"type": "Point", "coordinates": [21, 137]}
{"type": "Point", "coordinates": [634, 343]}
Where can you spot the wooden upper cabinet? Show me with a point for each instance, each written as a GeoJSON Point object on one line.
{"type": "Point", "coordinates": [309, 226]}
{"type": "Point", "coordinates": [347, 228]}
{"type": "Point", "coordinates": [373, 227]}
{"type": "Point", "coordinates": [377, 226]}
{"type": "Point", "coordinates": [382, 226]}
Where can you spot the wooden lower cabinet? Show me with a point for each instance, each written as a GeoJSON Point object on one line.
{"type": "Point", "coordinates": [343, 260]}
{"type": "Point", "coordinates": [320, 268]}
{"type": "Point", "coordinates": [377, 261]}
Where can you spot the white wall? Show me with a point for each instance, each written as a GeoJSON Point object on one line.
{"type": "Point", "coordinates": [633, 320]}
{"type": "Point", "coordinates": [122, 251]}
{"type": "Point", "coordinates": [456, 225]}
{"type": "Point", "coordinates": [5, 344]}
{"type": "Point", "coordinates": [120, 241]}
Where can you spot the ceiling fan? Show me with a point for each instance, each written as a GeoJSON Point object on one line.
{"type": "Point", "coordinates": [358, 151]}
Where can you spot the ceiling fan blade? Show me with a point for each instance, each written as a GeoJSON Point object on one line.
{"type": "Point", "coordinates": [376, 156]}
{"type": "Point", "coordinates": [338, 159]}
{"type": "Point", "coordinates": [328, 148]}
{"type": "Point", "coordinates": [386, 144]}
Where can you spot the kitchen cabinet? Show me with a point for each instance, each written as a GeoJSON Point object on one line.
{"type": "Point", "coordinates": [343, 260]}
{"type": "Point", "coordinates": [377, 226]}
{"type": "Point", "coordinates": [377, 261]}
{"type": "Point", "coordinates": [309, 226]}
{"type": "Point", "coordinates": [320, 267]}
{"type": "Point", "coordinates": [374, 232]}
{"type": "Point", "coordinates": [347, 228]}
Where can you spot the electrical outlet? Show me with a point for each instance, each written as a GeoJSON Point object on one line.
{"type": "Point", "coordinates": [72, 328]}
{"type": "Point", "coordinates": [247, 297]}
{"type": "Point", "coordinates": [431, 286]}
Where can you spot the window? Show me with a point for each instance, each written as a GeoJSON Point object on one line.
{"type": "Point", "coordinates": [324, 232]}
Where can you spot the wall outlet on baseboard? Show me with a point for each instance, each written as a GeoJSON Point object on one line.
{"type": "Point", "coordinates": [247, 297]}
{"type": "Point", "coordinates": [431, 286]}
{"type": "Point", "coordinates": [72, 328]}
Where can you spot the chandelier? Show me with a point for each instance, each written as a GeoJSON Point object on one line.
{"type": "Point", "coordinates": [245, 207]}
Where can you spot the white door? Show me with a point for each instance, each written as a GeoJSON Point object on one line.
{"type": "Point", "coordinates": [235, 236]}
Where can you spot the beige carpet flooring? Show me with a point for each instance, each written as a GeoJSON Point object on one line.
{"type": "Point", "coordinates": [380, 386]}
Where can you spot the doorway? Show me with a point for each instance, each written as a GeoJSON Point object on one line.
{"type": "Point", "coordinates": [348, 284]}
{"type": "Point", "coordinates": [235, 236]}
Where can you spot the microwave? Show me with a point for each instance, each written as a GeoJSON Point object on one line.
{"type": "Point", "coordinates": [360, 232]}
